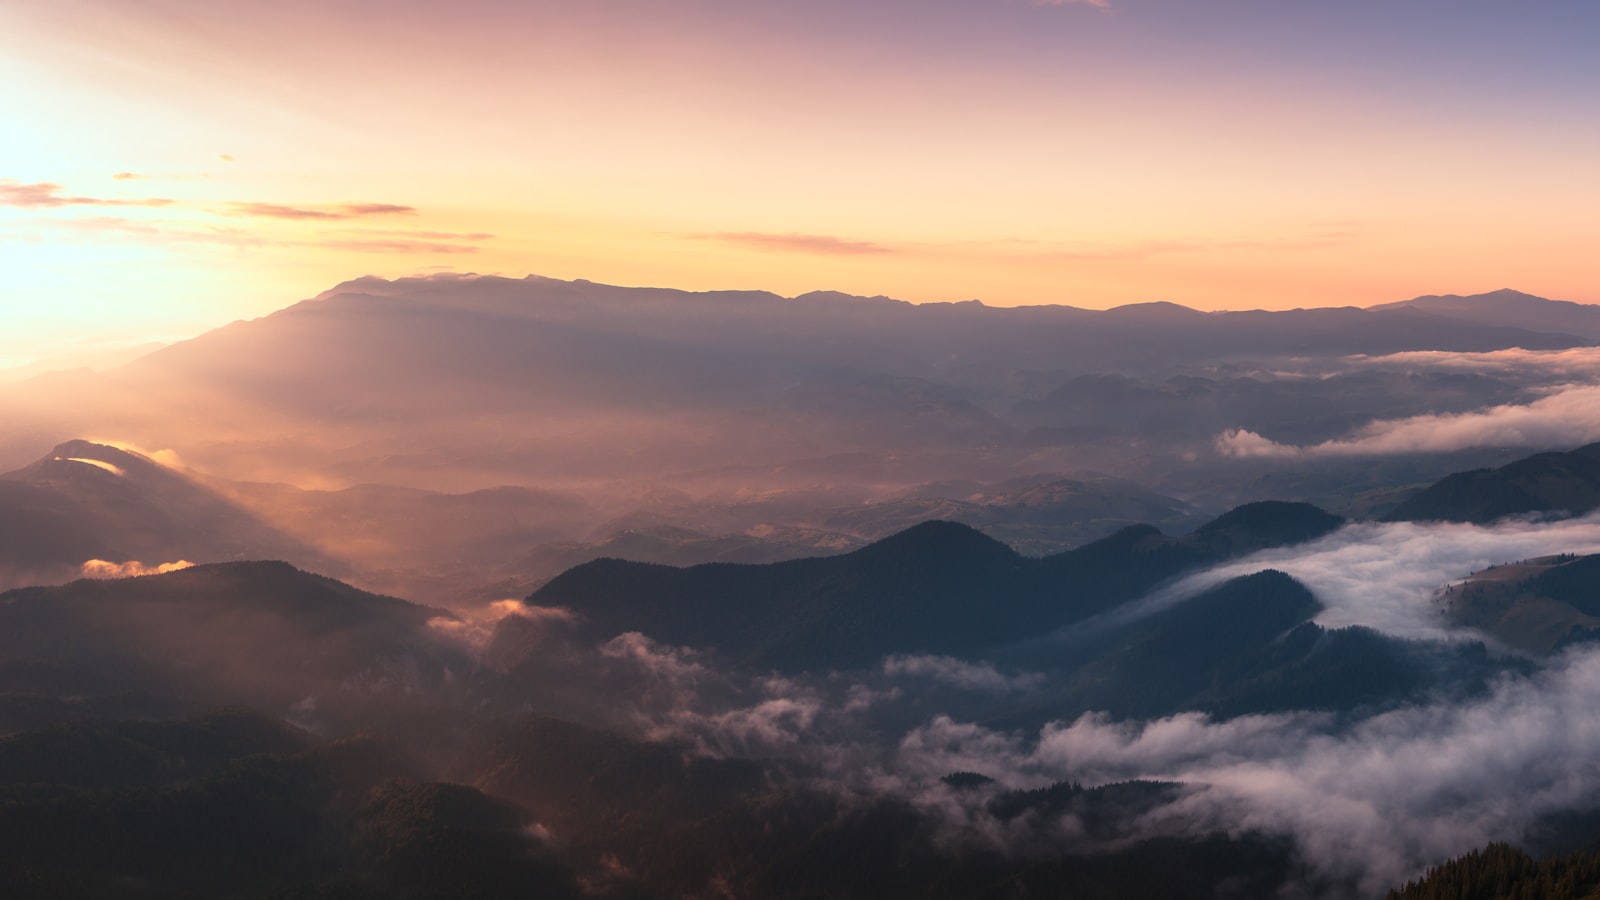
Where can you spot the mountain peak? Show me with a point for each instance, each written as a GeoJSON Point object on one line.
{"type": "Point", "coordinates": [937, 539]}
{"type": "Point", "coordinates": [1507, 307]}
{"type": "Point", "coordinates": [79, 448]}
{"type": "Point", "coordinates": [1495, 298]}
{"type": "Point", "coordinates": [1280, 521]}
{"type": "Point", "coordinates": [1155, 309]}
{"type": "Point", "coordinates": [77, 459]}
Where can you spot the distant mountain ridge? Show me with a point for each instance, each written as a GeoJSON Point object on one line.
{"type": "Point", "coordinates": [466, 328]}
{"type": "Point", "coordinates": [1507, 307]}
{"type": "Point", "coordinates": [462, 383]}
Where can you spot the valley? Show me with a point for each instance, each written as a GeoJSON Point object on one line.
{"type": "Point", "coordinates": [882, 634]}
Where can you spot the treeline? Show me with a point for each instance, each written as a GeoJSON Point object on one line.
{"type": "Point", "coordinates": [1503, 872]}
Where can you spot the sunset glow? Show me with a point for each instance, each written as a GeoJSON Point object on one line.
{"type": "Point", "coordinates": [173, 165]}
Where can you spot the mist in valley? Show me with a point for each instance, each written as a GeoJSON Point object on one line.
{"type": "Point", "coordinates": [496, 586]}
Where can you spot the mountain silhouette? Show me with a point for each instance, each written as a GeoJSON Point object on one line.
{"type": "Point", "coordinates": [939, 587]}
{"type": "Point", "coordinates": [1507, 307]}
{"type": "Point", "coordinates": [393, 378]}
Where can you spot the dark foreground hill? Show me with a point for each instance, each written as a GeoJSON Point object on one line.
{"type": "Point", "coordinates": [465, 786]}
{"type": "Point", "coordinates": [1566, 483]}
{"type": "Point", "coordinates": [1503, 872]}
{"type": "Point", "coordinates": [233, 804]}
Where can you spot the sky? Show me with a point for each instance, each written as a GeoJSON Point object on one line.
{"type": "Point", "coordinates": [167, 166]}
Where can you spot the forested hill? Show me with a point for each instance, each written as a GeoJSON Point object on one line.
{"type": "Point", "coordinates": [939, 587]}
{"type": "Point", "coordinates": [1503, 872]}
{"type": "Point", "coordinates": [1567, 483]}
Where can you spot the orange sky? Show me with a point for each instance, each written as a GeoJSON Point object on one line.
{"type": "Point", "coordinates": [171, 165]}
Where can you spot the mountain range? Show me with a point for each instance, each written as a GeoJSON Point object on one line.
{"type": "Point", "coordinates": [461, 383]}
{"type": "Point", "coordinates": [474, 586]}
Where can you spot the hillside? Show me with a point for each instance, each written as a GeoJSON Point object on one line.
{"type": "Point", "coordinates": [259, 633]}
{"type": "Point", "coordinates": [1564, 483]}
{"type": "Point", "coordinates": [85, 500]}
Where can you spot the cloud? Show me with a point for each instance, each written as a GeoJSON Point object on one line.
{"type": "Point", "coordinates": [798, 243]}
{"type": "Point", "coordinates": [1569, 416]}
{"type": "Point", "coordinates": [758, 730]}
{"type": "Point", "coordinates": [47, 195]}
{"type": "Point", "coordinates": [128, 176]}
{"type": "Point", "coordinates": [1098, 4]}
{"type": "Point", "coordinates": [238, 237]}
{"type": "Point", "coordinates": [340, 211]}
{"type": "Point", "coordinates": [97, 463]}
{"type": "Point", "coordinates": [1374, 803]}
{"type": "Point", "coordinates": [398, 246]}
{"type": "Point", "coordinates": [475, 627]}
{"type": "Point", "coordinates": [100, 568]}
{"type": "Point", "coordinates": [164, 457]}
{"type": "Point", "coordinates": [982, 676]}
{"type": "Point", "coordinates": [1368, 802]}
{"type": "Point", "coordinates": [666, 662]}
{"type": "Point", "coordinates": [377, 209]}
{"type": "Point", "coordinates": [421, 235]}
{"type": "Point", "coordinates": [1379, 575]}
{"type": "Point", "coordinates": [1573, 364]}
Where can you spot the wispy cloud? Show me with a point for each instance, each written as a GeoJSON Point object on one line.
{"type": "Point", "coordinates": [1569, 416]}
{"type": "Point", "coordinates": [47, 195]}
{"type": "Point", "coordinates": [420, 235]}
{"type": "Point", "coordinates": [355, 240]}
{"type": "Point", "coordinates": [980, 676]}
{"type": "Point", "coordinates": [1378, 575]}
{"type": "Point", "coordinates": [398, 246]}
{"type": "Point", "coordinates": [377, 209]}
{"type": "Point", "coordinates": [1574, 364]}
{"type": "Point", "coordinates": [798, 243]}
{"type": "Point", "coordinates": [339, 211]}
{"type": "Point", "coordinates": [1098, 4]}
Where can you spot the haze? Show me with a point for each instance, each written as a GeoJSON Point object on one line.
{"type": "Point", "coordinates": [173, 166]}
{"type": "Point", "coordinates": [850, 450]}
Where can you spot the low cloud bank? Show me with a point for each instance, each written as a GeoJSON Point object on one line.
{"type": "Point", "coordinates": [1574, 364]}
{"type": "Point", "coordinates": [1567, 417]}
{"type": "Point", "coordinates": [1382, 575]}
{"type": "Point", "coordinates": [1376, 803]}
